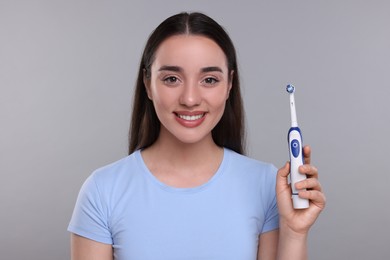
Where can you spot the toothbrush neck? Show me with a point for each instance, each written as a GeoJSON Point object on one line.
{"type": "Point", "coordinates": [294, 123]}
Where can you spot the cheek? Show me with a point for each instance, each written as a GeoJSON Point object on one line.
{"type": "Point", "coordinates": [218, 99]}
{"type": "Point", "coordinates": [162, 99]}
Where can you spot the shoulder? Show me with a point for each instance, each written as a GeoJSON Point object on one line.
{"type": "Point", "coordinates": [243, 163]}
{"type": "Point", "coordinates": [115, 176]}
{"type": "Point", "coordinates": [250, 173]}
{"type": "Point", "coordinates": [118, 169]}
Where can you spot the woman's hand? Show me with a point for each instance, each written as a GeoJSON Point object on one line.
{"type": "Point", "coordinates": [298, 221]}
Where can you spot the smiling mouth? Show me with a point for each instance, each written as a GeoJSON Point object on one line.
{"type": "Point", "coordinates": [190, 117]}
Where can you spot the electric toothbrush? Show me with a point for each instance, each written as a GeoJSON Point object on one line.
{"type": "Point", "coordinates": [296, 153]}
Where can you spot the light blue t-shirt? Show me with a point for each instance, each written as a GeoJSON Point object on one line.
{"type": "Point", "coordinates": [123, 204]}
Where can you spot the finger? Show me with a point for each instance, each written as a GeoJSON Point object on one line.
{"type": "Point", "coordinates": [309, 170]}
{"type": "Point", "coordinates": [283, 190]}
{"type": "Point", "coordinates": [316, 197]}
{"type": "Point", "coordinates": [310, 183]}
{"type": "Point", "coordinates": [282, 174]}
{"type": "Point", "coordinates": [307, 154]}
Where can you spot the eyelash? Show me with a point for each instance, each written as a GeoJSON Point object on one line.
{"type": "Point", "coordinates": [171, 80]}
{"type": "Point", "coordinates": [208, 79]}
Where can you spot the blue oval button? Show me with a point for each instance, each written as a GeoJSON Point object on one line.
{"type": "Point", "coordinates": [295, 148]}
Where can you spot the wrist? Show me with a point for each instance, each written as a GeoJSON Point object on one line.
{"type": "Point", "coordinates": [289, 233]}
{"type": "Point", "coordinates": [292, 244]}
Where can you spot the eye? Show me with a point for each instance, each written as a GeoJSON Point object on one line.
{"type": "Point", "coordinates": [170, 80]}
{"type": "Point", "coordinates": [210, 81]}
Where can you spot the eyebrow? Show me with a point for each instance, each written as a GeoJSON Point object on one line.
{"type": "Point", "coordinates": [170, 68]}
{"type": "Point", "coordinates": [179, 69]}
{"type": "Point", "coordinates": [211, 69]}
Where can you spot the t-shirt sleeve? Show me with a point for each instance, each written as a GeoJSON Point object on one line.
{"type": "Point", "coordinates": [90, 215]}
{"type": "Point", "coordinates": [272, 214]}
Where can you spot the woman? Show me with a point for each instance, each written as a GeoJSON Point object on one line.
{"type": "Point", "coordinates": [186, 191]}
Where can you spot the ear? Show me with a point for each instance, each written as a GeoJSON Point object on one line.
{"type": "Point", "coordinates": [146, 79]}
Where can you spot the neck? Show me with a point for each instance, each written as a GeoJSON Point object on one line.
{"type": "Point", "coordinates": [181, 164]}
{"type": "Point", "coordinates": [175, 151]}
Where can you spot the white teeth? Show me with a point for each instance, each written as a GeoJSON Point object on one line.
{"type": "Point", "coordinates": [191, 118]}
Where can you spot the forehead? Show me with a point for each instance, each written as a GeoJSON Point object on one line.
{"type": "Point", "coordinates": [190, 51]}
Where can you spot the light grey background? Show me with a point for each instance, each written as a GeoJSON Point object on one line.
{"type": "Point", "coordinates": [67, 70]}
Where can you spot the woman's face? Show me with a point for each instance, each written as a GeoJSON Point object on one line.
{"type": "Point", "coordinates": [189, 85]}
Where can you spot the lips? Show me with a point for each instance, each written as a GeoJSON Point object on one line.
{"type": "Point", "coordinates": [190, 119]}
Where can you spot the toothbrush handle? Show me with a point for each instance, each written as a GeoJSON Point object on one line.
{"type": "Point", "coordinates": [296, 160]}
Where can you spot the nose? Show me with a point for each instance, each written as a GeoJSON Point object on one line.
{"type": "Point", "coordinates": [190, 95]}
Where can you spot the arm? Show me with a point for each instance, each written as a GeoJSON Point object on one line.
{"type": "Point", "coordinates": [86, 249]}
{"type": "Point", "coordinates": [268, 245]}
{"type": "Point", "coordinates": [290, 247]}
{"type": "Point", "coordinates": [294, 224]}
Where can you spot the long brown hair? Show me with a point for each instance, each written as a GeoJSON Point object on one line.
{"type": "Point", "coordinates": [145, 125]}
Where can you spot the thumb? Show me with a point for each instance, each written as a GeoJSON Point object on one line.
{"type": "Point", "coordinates": [282, 177]}
{"type": "Point", "coordinates": [283, 190]}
